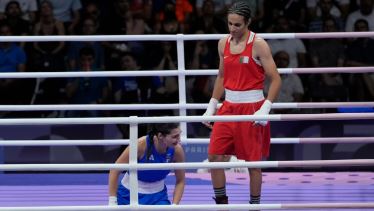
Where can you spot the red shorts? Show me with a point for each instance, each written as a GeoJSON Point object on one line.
{"type": "Point", "coordinates": [247, 141]}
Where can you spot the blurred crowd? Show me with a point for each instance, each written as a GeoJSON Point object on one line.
{"type": "Point", "coordinates": [135, 17]}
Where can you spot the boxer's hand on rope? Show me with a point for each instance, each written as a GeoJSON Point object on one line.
{"type": "Point", "coordinates": [112, 201]}
{"type": "Point", "coordinates": [264, 110]}
{"type": "Point", "coordinates": [210, 111]}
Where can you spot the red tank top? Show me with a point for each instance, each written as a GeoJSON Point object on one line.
{"type": "Point", "coordinates": [241, 72]}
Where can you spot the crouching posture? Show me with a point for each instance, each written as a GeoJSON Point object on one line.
{"type": "Point", "coordinates": [160, 145]}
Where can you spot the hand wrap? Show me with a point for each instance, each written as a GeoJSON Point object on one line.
{"type": "Point", "coordinates": [112, 201]}
{"type": "Point", "coordinates": [264, 110]}
{"type": "Point", "coordinates": [211, 110]}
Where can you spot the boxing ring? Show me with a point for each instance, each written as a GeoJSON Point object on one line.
{"type": "Point", "coordinates": [57, 190]}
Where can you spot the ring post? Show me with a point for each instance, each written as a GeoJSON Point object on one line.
{"type": "Point", "coordinates": [133, 160]}
{"type": "Point", "coordinates": [182, 83]}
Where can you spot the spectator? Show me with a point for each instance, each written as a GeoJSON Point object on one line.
{"type": "Point", "coordinates": [258, 14]}
{"type": "Point", "coordinates": [142, 8]}
{"type": "Point", "coordinates": [292, 89]}
{"type": "Point", "coordinates": [28, 8]}
{"type": "Point", "coordinates": [200, 87]}
{"type": "Point", "coordinates": [359, 53]}
{"type": "Point", "coordinates": [92, 11]}
{"type": "Point", "coordinates": [165, 88]}
{"type": "Point", "coordinates": [338, 8]}
{"type": "Point", "coordinates": [203, 58]}
{"type": "Point", "coordinates": [68, 12]}
{"type": "Point", "coordinates": [88, 90]}
{"type": "Point", "coordinates": [209, 22]}
{"type": "Point", "coordinates": [13, 14]}
{"type": "Point", "coordinates": [89, 27]}
{"type": "Point", "coordinates": [18, 25]}
{"type": "Point", "coordinates": [12, 59]}
{"type": "Point", "coordinates": [326, 10]}
{"type": "Point", "coordinates": [49, 55]}
{"type": "Point", "coordinates": [327, 52]}
{"type": "Point", "coordinates": [365, 12]}
{"type": "Point", "coordinates": [123, 22]}
{"type": "Point", "coordinates": [294, 11]}
{"type": "Point", "coordinates": [180, 10]}
{"type": "Point", "coordinates": [169, 25]}
{"type": "Point", "coordinates": [220, 7]}
{"type": "Point", "coordinates": [130, 90]}
{"type": "Point", "coordinates": [294, 47]}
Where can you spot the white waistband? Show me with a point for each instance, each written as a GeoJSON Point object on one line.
{"type": "Point", "coordinates": [144, 187]}
{"type": "Point", "coordinates": [249, 96]}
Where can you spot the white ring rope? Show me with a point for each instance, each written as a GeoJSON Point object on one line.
{"type": "Point", "coordinates": [357, 205]}
{"type": "Point", "coordinates": [309, 140]}
{"type": "Point", "coordinates": [186, 165]}
{"type": "Point", "coordinates": [141, 73]}
{"type": "Point", "coordinates": [319, 35]}
{"type": "Point", "coordinates": [166, 119]}
{"type": "Point", "coordinates": [112, 38]}
{"type": "Point", "coordinates": [66, 107]}
{"type": "Point", "coordinates": [109, 142]}
{"type": "Point", "coordinates": [326, 70]}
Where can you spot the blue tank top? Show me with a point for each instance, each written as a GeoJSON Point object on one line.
{"type": "Point", "coordinates": [155, 157]}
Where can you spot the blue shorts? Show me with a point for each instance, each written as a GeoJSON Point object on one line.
{"type": "Point", "coordinates": [159, 198]}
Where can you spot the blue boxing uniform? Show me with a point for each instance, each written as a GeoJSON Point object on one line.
{"type": "Point", "coordinates": [151, 185]}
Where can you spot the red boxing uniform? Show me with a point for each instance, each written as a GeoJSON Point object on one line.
{"type": "Point", "coordinates": [247, 141]}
